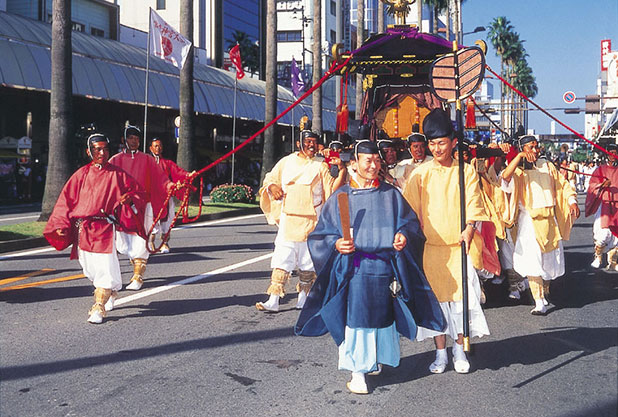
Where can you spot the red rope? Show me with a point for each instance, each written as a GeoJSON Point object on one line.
{"type": "Point", "coordinates": [334, 68]}
{"type": "Point", "coordinates": [522, 95]}
{"type": "Point", "coordinates": [184, 205]}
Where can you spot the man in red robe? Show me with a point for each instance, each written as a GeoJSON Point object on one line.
{"type": "Point", "coordinates": [97, 199]}
{"type": "Point", "coordinates": [602, 202]}
{"type": "Point", "coordinates": [144, 170]}
{"type": "Point", "coordinates": [175, 174]}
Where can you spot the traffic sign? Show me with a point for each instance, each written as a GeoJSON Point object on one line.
{"type": "Point", "coordinates": [569, 97]}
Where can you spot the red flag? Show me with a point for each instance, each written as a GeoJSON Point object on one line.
{"type": "Point", "coordinates": [236, 60]}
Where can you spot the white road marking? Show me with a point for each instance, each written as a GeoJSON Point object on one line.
{"type": "Point", "coordinates": [211, 222]}
{"type": "Point", "coordinates": [190, 280]}
{"type": "Point", "coordinates": [30, 252]}
{"type": "Point", "coordinates": [208, 223]}
{"type": "Point", "coordinates": [19, 218]}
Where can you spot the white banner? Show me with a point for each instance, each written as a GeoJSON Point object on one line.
{"type": "Point", "coordinates": [166, 43]}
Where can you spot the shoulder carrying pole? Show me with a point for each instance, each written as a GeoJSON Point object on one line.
{"type": "Point", "coordinates": [462, 207]}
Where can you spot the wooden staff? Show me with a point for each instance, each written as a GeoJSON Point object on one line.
{"type": "Point", "coordinates": [344, 215]}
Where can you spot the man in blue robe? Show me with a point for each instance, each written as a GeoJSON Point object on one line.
{"type": "Point", "coordinates": [371, 288]}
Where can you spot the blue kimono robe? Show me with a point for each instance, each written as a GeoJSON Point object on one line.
{"type": "Point", "coordinates": [353, 290]}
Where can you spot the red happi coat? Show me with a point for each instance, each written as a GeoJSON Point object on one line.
{"type": "Point", "coordinates": [144, 169]}
{"type": "Point", "coordinates": [174, 173]}
{"type": "Point", "coordinates": [606, 197]}
{"type": "Point", "coordinates": [78, 209]}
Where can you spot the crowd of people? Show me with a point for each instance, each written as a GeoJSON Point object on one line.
{"type": "Point", "coordinates": [375, 238]}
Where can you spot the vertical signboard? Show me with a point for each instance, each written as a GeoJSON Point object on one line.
{"type": "Point", "coordinates": [606, 48]}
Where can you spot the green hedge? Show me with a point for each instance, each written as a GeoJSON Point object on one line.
{"type": "Point", "coordinates": [228, 193]}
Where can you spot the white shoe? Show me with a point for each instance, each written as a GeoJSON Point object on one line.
{"type": "Point", "coordinates": [377, 371]}
{"type": "Point", "coordinates": [460, 361]}
{"type": "Point", "coordinates": [95, 317]}
{"type": "Point", "coordinates": [461, 366]}
{"type": "Point", "coordinates": [109, 305]}
{"type": "Point", "coordinates": [164, 248]}
{"type": "Point", "coordinates": [545, 302]}
{"type": "Point", "coordinates": [272, 305]}
{"type": "Point", "coordinates": [302, 297]}
{"type": "Point", "coordinates": [439, 365]}
{"type": "Point", "coordinates": [539, 309]}
{"type": "Point", "coordinates": [357, 384]}
{"type": "Point", "coordinates": [596, 263]}
{"type": "Point", "coordinates": [515, 295]}
{"type": "Point", "coordinates": [135, 285]}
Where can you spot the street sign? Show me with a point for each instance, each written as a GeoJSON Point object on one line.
{"type": "Point", "coordinates": [569, 97]}
{"type": "Point", "coordinates": [177, 121]}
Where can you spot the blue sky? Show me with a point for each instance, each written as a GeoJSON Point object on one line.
{"type": "Point", "coordinates": [563, 40]}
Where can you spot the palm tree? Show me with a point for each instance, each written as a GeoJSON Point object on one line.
{"type": "Point", "coordinates": [512, 55]}
{"type": "Point", "coordinates": [360, 28]}
{"type": "Point", "coordinates": [419, 14]}
{"type": "Point", "coordinates": [249, 51]}
{"type": "Point", "coordinates": [61, 109]}
{"type": "Point", "coordinates": [316, 47]}
{"type": "Point", "coordinates": [380, 12]}
{"type": "Point", "coordinates": [438, 6]}
{"type": "Point", "coordinates": [270, 94]}
{"type": "Point", "coordinates": [187, 129]}
{"type": "Point", "coordinates": [526, 83]}
{"type": "Point", "coordinates": [500, 35]}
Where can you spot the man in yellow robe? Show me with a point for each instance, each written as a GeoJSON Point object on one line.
{"type": "Point", "coordinates": [433, 193]}
{"type": "Point", "coordinates": [417, 145]}
{"type": "Point", "coordinates": [292, 197]}
{"type": "Point", "coordinates": [543, 206]}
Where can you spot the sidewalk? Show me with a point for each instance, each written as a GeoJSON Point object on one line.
{"type": "Point", "coordinates": [38, 242]}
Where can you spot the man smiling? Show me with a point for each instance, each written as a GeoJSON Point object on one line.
{"type": "Point", "coordinates": [433, 193]}
{"type": "Point", "coordinates": [370, 288]}
{"type": "Point", "coordinates": [292, 197]}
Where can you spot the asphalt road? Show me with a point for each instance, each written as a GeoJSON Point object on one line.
{"type": "Point", "coordinates": [191, 343]}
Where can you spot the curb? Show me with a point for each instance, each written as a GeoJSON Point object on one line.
{"type": "Point", "coordinates": [38, 242]}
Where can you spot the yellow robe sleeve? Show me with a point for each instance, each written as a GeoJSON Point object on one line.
{"type": "Point", "coordinates": [270, 207]}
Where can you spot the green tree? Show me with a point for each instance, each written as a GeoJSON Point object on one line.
{"type": "Point", "coordinates": [438, 7]}
{"type": "Point", "coordinates": [61, 109]}
{"type": "Point", "coordinates": [249, 51]}
{"type": "Point", "coordinates": [500, 35]}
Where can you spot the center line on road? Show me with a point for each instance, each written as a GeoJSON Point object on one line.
{"type": "Point", "coordinates": [190, 280]}
{"type": "Point", "coordinates": [24, 276]}
{"type": "Point", "coordinates": [38, 283]}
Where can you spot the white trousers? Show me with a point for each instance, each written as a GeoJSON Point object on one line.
{"type": "Point", "coordinates": [102, 269]}
{"type": "Point", "coordinates": [453, 312]}
{"type": "Point", "coordinates": [164, 225]}
{"type": "Point", "coordinates": [291, 255]}
{"type": "Point", "coordinates": [133, 245]}
{"type": "Point", "coordinates": [602, 237]}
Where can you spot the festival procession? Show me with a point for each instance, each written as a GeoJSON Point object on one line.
{"type": "Point", "coordinates": [308, 208]}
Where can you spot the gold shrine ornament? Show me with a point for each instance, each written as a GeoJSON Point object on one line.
{"type": "Point", "coordinates": [398, 9]}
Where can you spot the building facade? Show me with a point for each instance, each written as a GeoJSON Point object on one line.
{"type": "Point", "coordinates": [94, 17]}
{"type": "Point", "coordinates": [214, 23]}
